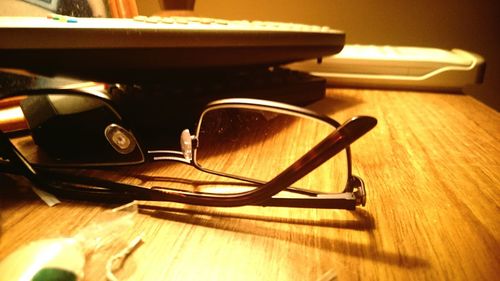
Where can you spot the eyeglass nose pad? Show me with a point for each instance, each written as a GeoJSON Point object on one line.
{"type": "Point", "coordinates": [120, 139]}
{"type": "Point", "coordinates": [187, 145]}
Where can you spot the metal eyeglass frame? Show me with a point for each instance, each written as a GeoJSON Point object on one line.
{"type": "Point", "coordinates": [94, 189]}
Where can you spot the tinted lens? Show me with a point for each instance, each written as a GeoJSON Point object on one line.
{"type": "Point", "coordinates": [259, 143]}
{"type": "Point", "coordinates": [68, 129]}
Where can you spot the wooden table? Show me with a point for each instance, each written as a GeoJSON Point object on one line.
{"type": "Point", "coordinates": [432, 171]}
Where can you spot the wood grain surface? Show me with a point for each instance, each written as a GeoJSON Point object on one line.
{"type": "Point", "coordinates": [432, 173]}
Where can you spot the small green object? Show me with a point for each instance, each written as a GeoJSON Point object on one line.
{"type": "Point", "coordinates": [54, 274]}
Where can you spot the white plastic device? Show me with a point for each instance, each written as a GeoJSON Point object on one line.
{"type": "Point", "coordinates": [414, 68]}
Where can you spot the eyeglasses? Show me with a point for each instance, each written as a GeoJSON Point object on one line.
{"type": "Point", "coordinates": [77, 144]}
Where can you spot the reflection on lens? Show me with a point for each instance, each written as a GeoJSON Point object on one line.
{"type": "Point", "coordinates": [69, 129]}
{"type": "Point", "coordinates": [260, 143]}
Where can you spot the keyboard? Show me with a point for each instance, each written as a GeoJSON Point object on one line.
{"type": "Point", "coordinates": [176, 102]}
{"type": "Point", "coordinates": [111, 49]}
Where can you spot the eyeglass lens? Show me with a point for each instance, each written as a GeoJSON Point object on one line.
{"type": "Point", "coordinates": [259, 143]}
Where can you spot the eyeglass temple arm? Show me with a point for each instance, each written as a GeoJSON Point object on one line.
{"type": "Point", "coordinates": [344, 200]}
{"type": "Point", "coordinates": [345, 135]}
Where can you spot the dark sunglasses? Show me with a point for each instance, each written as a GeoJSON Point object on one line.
{"type": "Point", "coordinates": [76, 144]}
